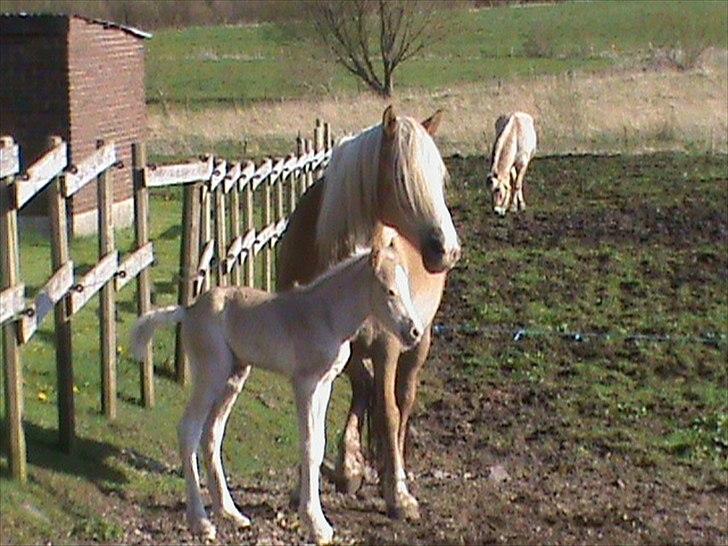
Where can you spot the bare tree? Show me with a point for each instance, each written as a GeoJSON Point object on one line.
{"type": "Point", "coordinates": [371, 38]}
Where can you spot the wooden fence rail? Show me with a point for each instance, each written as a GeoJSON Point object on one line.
{"type": "Point", "coordinates": [233, 216]}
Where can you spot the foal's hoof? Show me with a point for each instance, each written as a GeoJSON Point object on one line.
{"type": "Point", "coordinates": [204, 529]}
{"type": "Point", "coordinates": [405, 507]}
{"type": "Point", "coordinates": [236, 517]}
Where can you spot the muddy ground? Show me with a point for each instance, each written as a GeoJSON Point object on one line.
{"type": "Point", "coordinates": [497, 458]}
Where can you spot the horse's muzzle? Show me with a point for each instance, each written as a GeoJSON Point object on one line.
{"type": "Point", "coordinates": [435, 257]}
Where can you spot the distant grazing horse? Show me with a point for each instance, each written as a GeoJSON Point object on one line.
{"type": "Point", "coordinates": [302, 334]}
{"type": "Point", "coordinates": [391, 173]}
{"type": "Point", "coordinates": [514, 146]}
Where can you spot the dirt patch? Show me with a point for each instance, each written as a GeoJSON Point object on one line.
{"type": "Point", "coordinates": [501, 456]}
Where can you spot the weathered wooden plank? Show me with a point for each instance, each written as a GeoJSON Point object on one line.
{"type": "Point", "coordinates": [182, 173]}
{"type": "Point", "coordinates": [218, 174]}
{"type": "Point", "coordinates": [77, 176]}
{"type": "Point", "coordinates": [92, 281]}
{"type": "Point", "coordinates": [248, 244]}
{"type": "Point", "coordinates": [205, 264]}
{"type": "Point", "coordinates": [12, 302]}
{"type": "Point", "coordinates": [233, 251]}
{"type": "Point", "coordinates": [44, 302]}
{"type": "Point", "coordinates": [290, 164]}
{"type": "Point", "coordinates": [232, 176]}
{"type": "Point", "coordinates": [261, 174]}
{"type": "Point", "coordinates": [9, 157]}
{"type": "Point", "coordinates": [144, 281]}
{"type": "Point", "coordinates": [40, 174]}
{"type": "Point", "coordinates": [246, 173]}
{"type": "Point", "coordinates": [276, 172]}
{"type": "Point", "coordinates": [264, 236]}
{"type": "Point", "coordinates": [281, 226]}
{"type": "Point", "coordinates": [137, 261]}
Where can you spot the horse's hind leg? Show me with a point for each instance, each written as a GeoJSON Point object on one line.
{"type": "Point", "coordinates": [190, 430]}
{"type": "Point", "coordinates": [222, 502]}
{"type": "Point", "coordinates": [350, 462]}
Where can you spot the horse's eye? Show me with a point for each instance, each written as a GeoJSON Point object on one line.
{"type": "Point", "coordinates": [391, 293]}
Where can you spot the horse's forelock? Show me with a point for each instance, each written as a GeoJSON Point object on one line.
{"type": "Point", "coordinates": [349, 199]}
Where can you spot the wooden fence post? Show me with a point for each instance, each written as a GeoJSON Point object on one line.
{"type": "Point", "coordinates": [268, 250]}
{"type": "Point", "coordinates": [13, 370]}
{"type": "Point", "coordinates": [221, 220]}
{"type": "Point", "coordinates": [143, 293]}
{"type": "Point", "coordinates": [235, 229]}
{"type": "Point", "coordinates": [189, 258]}
{"type": "Point", "coordinates": [328, 138]}
{"type": "Point", "coordinates": [308, 178]}
{"type": "Point", "coordinates": [205, 226]}
{"type": "Point", "coordinates": [60, 254]}
{"type": "Point", "coordinates": [107, 304]}
{"type": "Point", "coordinates": [249, 224]}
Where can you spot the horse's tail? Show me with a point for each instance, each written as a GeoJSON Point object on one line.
{"type": "Point", "coordinates": [145, 326]}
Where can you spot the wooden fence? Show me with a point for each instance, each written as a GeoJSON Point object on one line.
{"type": "Point", "coordinates": [233, 215]}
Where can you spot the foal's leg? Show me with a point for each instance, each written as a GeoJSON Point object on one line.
{"type": "Point", "coordinates": [222, 502]}
{"type": "Point", "coordinates": [312, 398]}
{"type": "Point", "coordinates": [350, 462]}
{"type": "Point", "coordinates": [400, 504]}
{"type": "Point", "coordinates": [204, 393]}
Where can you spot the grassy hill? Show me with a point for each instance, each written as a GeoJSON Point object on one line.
{"type": "Point", "coordinates": [278, 61]}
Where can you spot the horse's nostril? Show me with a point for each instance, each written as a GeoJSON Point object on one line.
{"type": "Point", "coordinates": [414, 332]}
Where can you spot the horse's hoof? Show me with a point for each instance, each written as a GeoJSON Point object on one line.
{"type": "Point", "coordinates": [204, 529]}
{"type": "Point", "coordinates": [405, 507]}
{"type": "Point", "coordinates": [236, 517]}
{"type": "Point", "coordinates": [321, 531]}
{"type": "Point", "coordinates": [349, 484]}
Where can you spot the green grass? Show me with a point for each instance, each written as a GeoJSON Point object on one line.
{"type": "Point", "coordinates": [270, 61]}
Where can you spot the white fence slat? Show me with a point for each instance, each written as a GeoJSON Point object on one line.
{"type": "Point", "coordinates": [56, 287]}
{"type": "Point", "coordinates": [133, 264]}
{"type": "Point", "coordinates": [94, 280]}
{"type": "Point", "coordinates": [89, 169]}
{"type": "Point", "coordinates": [182, 173]}
{"type": "Point", "coordinates": [9, 160]}
{"type": "Point", "coordinates": [40, 174]}
{"type": "Point", "coordinates": [12, 302]}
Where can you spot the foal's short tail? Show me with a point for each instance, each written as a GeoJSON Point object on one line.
{"type": "Point", "coordinates": [144, 328]}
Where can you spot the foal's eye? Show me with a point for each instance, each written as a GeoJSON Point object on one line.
{"type": "Point", "coordinates": [391, 293]}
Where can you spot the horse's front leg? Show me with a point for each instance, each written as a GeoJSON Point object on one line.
{"type": "Point", "coordinates": [408, 371]}
{"type": "Point", "coordinates": [400, 504]}
{"type": "Point", "coordinates": [312, 398]}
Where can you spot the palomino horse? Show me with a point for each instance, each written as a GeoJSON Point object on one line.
{"type": "Point", "coordinates": [302, 334]}
{"type": "Point", "coordinates": [390, 173]}
{"type": "Point", "coordinates": [514, 146]}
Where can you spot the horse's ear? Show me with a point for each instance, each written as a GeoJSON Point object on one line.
{"type": "Point", "coordinates": [389, 121]}
{"type": "Point", "coordinates": [433, 122]}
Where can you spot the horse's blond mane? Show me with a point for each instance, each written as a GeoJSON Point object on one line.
{"type": "Point", "coordinates": [503, 138]}
{"type": "Point", "coordinates": [349, 203]}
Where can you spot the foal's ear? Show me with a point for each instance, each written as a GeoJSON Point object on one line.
{"type": "Point", "coordinates": [389, 121]}
{"type": "Point", "coordinates": [433, 122]}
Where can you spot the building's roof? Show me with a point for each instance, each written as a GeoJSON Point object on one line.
{"type": "Point", "coordinates": [106, 24]}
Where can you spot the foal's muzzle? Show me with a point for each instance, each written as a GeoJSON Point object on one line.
{"type": "Point", "coordinates": [410, 334]}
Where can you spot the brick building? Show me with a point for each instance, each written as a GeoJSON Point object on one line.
{"type": "Point", "coordinates": [83, 80]}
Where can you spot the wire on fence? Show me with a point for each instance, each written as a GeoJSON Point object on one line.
{"type": "Point", "coordinates": [516, 335]}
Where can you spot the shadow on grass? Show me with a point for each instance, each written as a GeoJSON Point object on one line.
{"type": "Point", "coordinates": [90, 459]}
{"type": "Point", "coordinates": [97, 462]}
